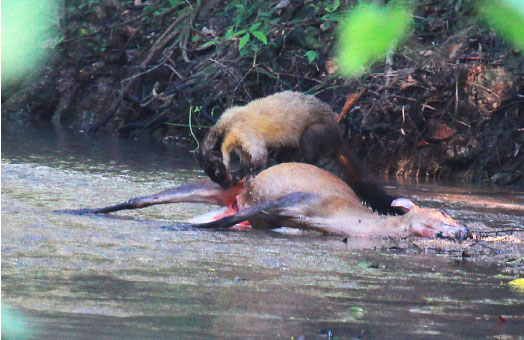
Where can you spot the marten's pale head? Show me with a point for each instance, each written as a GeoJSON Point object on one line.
{"type": "Point", "coordinates": [213, 165]}
{"type": "Point", "coordinates": [428, 222]}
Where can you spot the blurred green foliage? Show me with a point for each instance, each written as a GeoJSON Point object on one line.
{"type": "Point", "coordinates": [14, 325]}
{"type": "Point", "coordinates": [25, 32]}
{"type": "Point", "coordinates": [517, 284]}
{"type": "Point", "coordinates": [368, 33]}
{"type": "Point", "coordinates": [506, 17]}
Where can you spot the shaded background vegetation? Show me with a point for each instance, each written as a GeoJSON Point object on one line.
{"type": "Point", "coordinates": [447, 102]}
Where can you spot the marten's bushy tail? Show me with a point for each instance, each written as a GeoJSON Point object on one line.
{"type": "Point", "coordinates": [369, 191]}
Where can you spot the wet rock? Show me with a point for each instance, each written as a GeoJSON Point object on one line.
{"type": "Point", "coordinates": [462, 150]}
{"type": "Point", "coordinates": [506, 177]}
{"type": "Point", "coordinates": [486, 88]}
{"type": "Point", "coordinates": [36, 99]}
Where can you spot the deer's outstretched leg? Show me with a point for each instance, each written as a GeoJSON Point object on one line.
{"type": "Point", "coordinates": [266, 215]}
{"type": "Point", "coordinates": [202, 191]}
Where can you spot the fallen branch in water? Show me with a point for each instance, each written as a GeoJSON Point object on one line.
{"type": "Point", "coordinates": [501, 231]}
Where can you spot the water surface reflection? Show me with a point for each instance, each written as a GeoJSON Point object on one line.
{"type": "Point", "coordinates": [124, 276]}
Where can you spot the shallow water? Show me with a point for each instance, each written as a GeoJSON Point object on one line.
{"type": "Point", "coordinates": [123, 276]}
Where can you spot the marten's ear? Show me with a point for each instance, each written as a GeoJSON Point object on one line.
{"type": "Point", "coordinates": [403, 204]}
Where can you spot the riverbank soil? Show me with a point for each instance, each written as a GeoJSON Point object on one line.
{"type": "Point", "coordinates": [447, 103]}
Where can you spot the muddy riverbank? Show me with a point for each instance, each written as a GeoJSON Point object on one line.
{"type": "Point", "coordinates": [447, 104]}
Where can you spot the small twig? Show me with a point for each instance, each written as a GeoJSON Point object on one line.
{"type": "Point", "coordinates": [189, 4]}
{"type": "Point", "coordinates": [291, 75]}
{"type": "Point", "coordinates": [461, 122]}
{"type": "Point", "coordinates": [187, 30]}
{"type": "Point", "coordinates": [172, 67]}
{"type": "Point", "coordinates": [108, 28]}
{"type": "Point", "coordinates": [403, 120]}
{"type": "Point", "coordinates": [501, 231]}
{"type": "Point", "coordinates": [402, 97]}
{"type": "Point", "coordinates": [456, 95]}
{"type": "Point", "coordinates": [162, 40]}
{"type": "Point", "coordinates": [136, 75]}
{"type": "Point", "coordinates": [242, 79]}
{"type": "Point", "coordinates": [424, 106]}
{"type": "Point", "coordinates": [226, 68]}
{"type": "Point", "coordinates": [187, 125]}
{"type": "Point", "coordinates": [485, 88]}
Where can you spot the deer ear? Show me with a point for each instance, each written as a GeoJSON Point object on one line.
{"type": "Point", "coordinates": [403, 203]}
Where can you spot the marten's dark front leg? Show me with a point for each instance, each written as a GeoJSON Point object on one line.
{"type": "Point", "coordinates": [283, 155]}
{"type": "Point", "coordinates": [203, 191]}
{"type": "Point", "coordinates": [275, 156]}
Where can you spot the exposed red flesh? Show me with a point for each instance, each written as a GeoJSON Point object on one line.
{"type": "Point", "coordinates": [232, 208]}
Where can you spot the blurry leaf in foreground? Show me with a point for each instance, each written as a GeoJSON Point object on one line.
{"type": "Point", "coordinates": [25, 27]}
{"type": "Point", "coordinates": [518, 284]}
{"type": "Point", "coordinates": [507, 17]}
{"type": "Point", "coordinates": [14, 325]}
{"type": "Point", "coordinates": [367, 33]}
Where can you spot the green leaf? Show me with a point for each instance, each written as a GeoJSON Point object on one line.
{"type": "Point", "coordinates": [333, 8]}
{"type": "Point", "coordinates": [239, 33]}
{"type": "Point", "coordinates": [174, 3]}
{"type": "Point", "coordinates": [311, 56]}
{"type": "Point", "coordinates": [506, 17]}
{"type": "Point", "coordinates": [229, 34]}
{"type": "Point", "coordinates": [254, 27]}
{"type": "Point", "coordinates": [368, 33]}
{"type": "Point", "coordinates": [260, 36]}
{"type": "Point", "coordinates": [243, 41]}
{"type": "Point", "coordinates": [209, 43]}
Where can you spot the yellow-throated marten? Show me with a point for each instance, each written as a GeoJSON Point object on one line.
{"type": "Point", "coordinates": [292, 124]}
{"type": "Point", "coordinates": [283, 195]}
